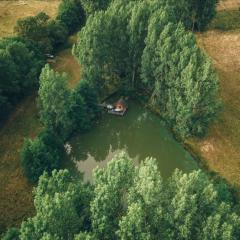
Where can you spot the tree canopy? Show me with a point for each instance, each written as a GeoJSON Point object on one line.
{"type": "Point", "coordinates": [129, 202]}
{"type": "Point", "coordinates": [139, 45]}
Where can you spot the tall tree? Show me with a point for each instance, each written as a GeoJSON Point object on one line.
{"type": "Point", "coordinates": [195, 14]}
{"type": "Point", "coordinates": [181, 78]}
{"type": "Point", "coordinates": [54, 102]}
{"type": "Point", "coordinates": [62, 208]}
{"type": "Point", "coordinates": [45, 153]}
{"type": "Point", "coordinates": [71, 13]}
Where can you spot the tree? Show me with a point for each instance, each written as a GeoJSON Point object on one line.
{"type": "Point", "coordinates": [11, 234]}
{"type": "Point", "coordinates": [35, 28]}
{"type": "Point", "coordinates": [195, 14]}
{"type": "Point", "coordinates": [45, 153]}
{"type": "Point", "coordinates": [20, 65]}
{"type": "Point", "coordinates": [57, 33]}
{"type": "Point", "coordinates": [132, 202]}
{"type": "Point", "coordinates": [182, 81]}
{"type": "Point", "coordinates": [62, 208]}
{"type": "Point", "coordinates": [54, 102]}
{"type": "Point", "coordinates": [91, 6]}
{"type": "Point", "coordinates": [110, 187]}
{"type": "Point", "coordinates": [71, 13]}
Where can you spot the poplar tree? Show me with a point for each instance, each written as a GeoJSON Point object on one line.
{"type": "Point", "coordinates": [181, 78]}
{"type": "Point", "coordinates": [54, 101]}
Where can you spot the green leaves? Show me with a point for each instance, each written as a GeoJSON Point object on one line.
{"type": "Point", "coordinates": [127, 202]}
{"type": "Point", "coordinates": [45, 153]}
{"type": "Point", "coordinates": [54, 101]}
{"type": "Point", "coordinates": [186, 86]}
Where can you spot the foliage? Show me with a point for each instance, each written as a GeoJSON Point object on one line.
{"type": "Point", "coordinates": [195, 14]}
{"type": "Point", "coordinates": [62, 208]}
{"type": "Point", "coordinates": [34, 28]}
{"type": "Point", "coordinates": [91, 6]}
{"type": "Point", "coordinates": [128, 202]}
{"type": "Point", "coordinates": [181, 78]}
{"type": "Point", "coordinates": [57, 33]}
{"type": "Point", "coordinates": [71, 13]}
{"type": "Point", "coordinates": [54, 101]}
{"type": "Point", "coordinates": [83, 106]}
{"type": "Point", "coordinates": [11, 234]}
{"type": "Point", "coordinates": [64, 110]}
{"type": "Point", "coordinates": [44, 153]}
{"type": "Point", "coordinates": [226, 20]}
{"type": "Point", "coordinates": [20, 65]}
{"type": "Point", "coordinates": [141, 40]}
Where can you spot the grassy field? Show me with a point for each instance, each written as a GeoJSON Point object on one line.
{"type": "Point", "coordinates": [220, 149]}
{"type": "Point", "coordinates": [11, 11]}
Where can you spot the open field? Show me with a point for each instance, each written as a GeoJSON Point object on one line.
{"type": "Point", "coordinates": [11, 11]}
{"type": "Point", "coordinates": [16, 194]}
{"type": "Point", "coordinates": [221, 148]}
{"type": "Point", "coordinates": [228, 4]}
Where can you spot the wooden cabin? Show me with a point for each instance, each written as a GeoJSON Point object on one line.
{"type": "Point", "coordinates": [120, 105]}
{"type": "Point", "coordinates": [120, 108]}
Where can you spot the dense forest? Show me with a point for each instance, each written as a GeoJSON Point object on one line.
{"type": "Point", "coordinates": [143, 48]}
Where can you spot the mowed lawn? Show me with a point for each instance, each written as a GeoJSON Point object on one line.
{"type": "Point", "coordinates": [11, 11]}
{"type": "Point", "coordinates": [220, 150]}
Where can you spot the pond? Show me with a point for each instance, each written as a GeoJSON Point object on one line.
{"type": "Point", "coordinates": [140, 133]}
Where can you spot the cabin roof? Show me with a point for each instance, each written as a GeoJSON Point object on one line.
{"type": "Point", "coordinates": [121, 102]}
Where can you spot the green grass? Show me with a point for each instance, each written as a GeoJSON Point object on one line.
{"type": "Point", "coordinates": [226, 20]}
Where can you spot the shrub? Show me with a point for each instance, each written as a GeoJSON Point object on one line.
{"type": "Point", "coordinates": [71, 13]}
{"type": "Point", "coordinates": [45, 153]}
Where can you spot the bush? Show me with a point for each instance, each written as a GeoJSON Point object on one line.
{"type": "Point", "coordinates": [20, 65]}
{"type": "Point", "coordinates": [226, 21]}
{"type": "Point", "coordinates": [12, 234]}
{"type": "Point", "coordinates": [45, 153]}
{"type": "Point", "coordinates": [71, 13]}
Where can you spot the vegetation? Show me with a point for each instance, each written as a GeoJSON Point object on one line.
{"type": "Point", "coordinates": [226, 21]}
{"type": "Point", "coordinates": [45, 153]}
{"type": "Point", "coordinates": [140, 45]}
{"type": "Point", "coordinates": [127, 202]}
{"type": "Point", "coordinates": [64, 110]}
{"type": "Point", "coordinates": [20, 65]}
{"type": "Point", "coordinates": [195, 15]}
{"type": "Point", "coordinates": [179, 78]}
{"type": "Point", "coordinates": [71, 13]}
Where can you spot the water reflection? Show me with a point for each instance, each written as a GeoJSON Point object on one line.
{"type": "Point", "coordinates": [140, 133]}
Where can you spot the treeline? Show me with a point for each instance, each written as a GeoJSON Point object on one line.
{"type": "Point", "coordinates": [22, 57]}
{"type": "Point", "coordinates": [127, 202]}
{"type": "Point", "coordinates": [62, 112]}
{"type": "Point", "coordinates": [143, 46]}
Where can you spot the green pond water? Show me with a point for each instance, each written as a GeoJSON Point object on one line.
{"type": "Point", "coordinates": [140, 133]}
